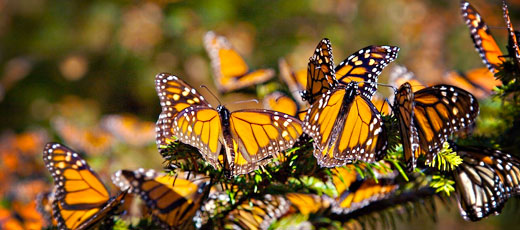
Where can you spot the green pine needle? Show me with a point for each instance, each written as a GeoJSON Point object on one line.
{"type": "Point", "coordinates": [442, 184]}
{"type": "Point", "coordinates": [446, 159]}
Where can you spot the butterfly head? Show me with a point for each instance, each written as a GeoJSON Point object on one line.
{"type": "Point", "coordinates": [224, 114]}
{"type": "Point", "coordinates": [353, 88]}
{"type": "Point", "coordinates": [305, 94]}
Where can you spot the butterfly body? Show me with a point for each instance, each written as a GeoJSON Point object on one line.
{"type": "Point", "coordinates": [405, 113]}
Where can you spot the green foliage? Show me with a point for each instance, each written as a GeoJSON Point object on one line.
{"type": "Point", "coordinates": [441, 184]}
{"type": "Point", "coordinates": [446, 159]}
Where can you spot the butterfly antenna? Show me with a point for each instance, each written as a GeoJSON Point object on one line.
{"type": "Point", "coordinates": [390, 86]}
{"type": "Point", "coordinates": [245, 101]}
{"type": "Point", "coordinates": [205, 87]}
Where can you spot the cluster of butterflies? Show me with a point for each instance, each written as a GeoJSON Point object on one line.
{"type": "Point", "coordinates": [342, 119]}
{"type": "Point", "coordinates": [80, 200]}
{"type": "Point", "coordinates": [21, 179]}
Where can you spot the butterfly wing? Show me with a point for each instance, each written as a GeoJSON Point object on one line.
{"type": "Point", "coordinates": [320, 72]}
{"type": "Point", "coordinates": [258, 134]}
{"type": "Point", "coordinates": [513, 42]}
{"type": "Point", "coordinates": [506, 166]}
{"type": "Point", "coordinates": [175, 95]}
{"type": "Point", "coordinates": [280, 102]}
{"type": "Point", "coordinates": [295, 80]}
{"type": "Point", "coordinates": [309, 203]}
{"type": "Point", "coordinates": [81, 199]}
{"type": "Point", "coordinates": [481, 36]}
{"type": "Point", "coordinates": [231, 71]}
{"type": "Point", "coordinates": [483, 79]}
{"type": "Point", "coordinates": [200, 126]}
{"type": "Point", "coordinates": [172, 199]}
{"type": "Point", "coordinates": [404, 102]}
{"type": "Point", "coordinates": [364, 67]}
{"type": "Point", "coordinates": [257, 213]}
{"type": "Point", "coordinates": [319, 123]}
{"type": "Point", "coordinates": [355, 192]}
{"type": "Point", "coordinates": [479, 189]}
{"type": "Point", "coordinates": [472, 80]}
{"type": "Point", "coordinates": [345, 127]}
{"type": "Point", "coordinates": [381, 104]}
{"type": "Point", "coordinates": [440, 111]}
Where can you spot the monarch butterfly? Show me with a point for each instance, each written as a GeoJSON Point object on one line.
{"type": "Point", "coordinates": [249, 136]}
{"type": "Point", "coordinates": [309, 203]}
{"type": "Point", "coordinates": [280, 102]}
{"type": "Point", "coordinates": [482, 38]}
{"type": "Point", "coordinates": [345, 127]}
{"type": "Point", "coordinates": [172, 199]}
{"type": "Point", "coordinates": [429, 116]}
{"type": "Point", "coordinates": [81, 200]}
{"type": "Point", "coordinates": [231, 71]}
{"type": "Point", "coordinates": [129, 129]}
{"type": "Point", "coordinates": [355, 192]}
{"type": "Point", "coordinates": [485, 180]}
{"type": "Point", "coordinates": [257, 213]}
{"type": "Point", "coordinates": [355, 134]}
{"type": "Point", "coordinates": [296, 80]}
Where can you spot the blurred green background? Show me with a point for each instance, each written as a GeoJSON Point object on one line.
{"type": "Point", "coordinates": [68, 63]}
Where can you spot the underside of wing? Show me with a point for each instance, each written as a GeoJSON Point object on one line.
{"type": "Point", "coordinates": [481, 36]}
{"type": "Point", "coordinates": [404, 102]}
{"type": "Point", "coordinates": [230, 69]}
{"type": "Point", "coordinates": [363, 137]}
{"type": "Point", "coordinates": [200, 127]}
{"type": "Point", "coordinates": [319, 123]}
{"type": "Point", "coordinates": [320, 72]}
{"type": "Point", "coordinates": [81, 198]}
{"type": "Point", "coordinates": [175, 95]}
{"type": "Point", "coordinates": [479, 189]}
{"type": "Point", "coordinates": [173, 199]}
